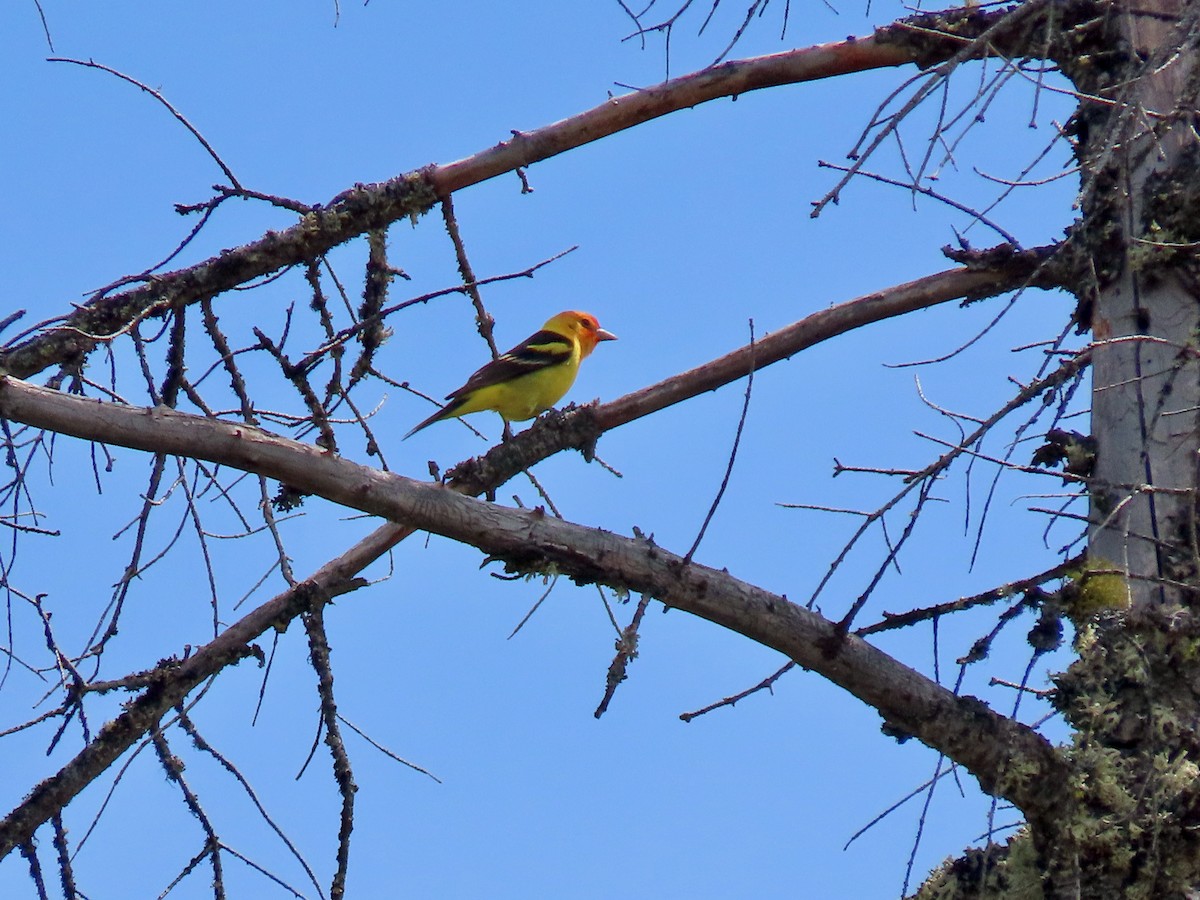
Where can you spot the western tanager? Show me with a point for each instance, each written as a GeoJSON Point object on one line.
{"type": "Point", "coordinates": [532, 376]}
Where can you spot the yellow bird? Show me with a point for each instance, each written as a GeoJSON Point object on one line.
{"type": "Point", "coordinates": [532, 376]}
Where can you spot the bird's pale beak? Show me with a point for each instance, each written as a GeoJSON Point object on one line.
{"type": "Point", "coordinates": [602, 335]}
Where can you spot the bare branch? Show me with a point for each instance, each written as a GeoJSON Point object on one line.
{"type": "Point", "coordinates": [90, 64]}
{"type": "Point", "coordinates": [367, 207]}
{"type": "Point", "coordinates": [178, 680]}
{"type": "Point", "coordinates": [529, 541]}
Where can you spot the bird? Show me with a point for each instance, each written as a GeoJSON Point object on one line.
{"type": "Point", "coordinates": [532, 376]}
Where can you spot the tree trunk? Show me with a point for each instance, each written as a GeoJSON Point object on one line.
{"type": "Point", "coordinates": [1146, 376]}
{"type": "Point", "coordinates": [1132, 825]}
{"type": "Point", "coordinates": [1132, 695]}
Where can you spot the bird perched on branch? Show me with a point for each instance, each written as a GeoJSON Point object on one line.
{"type": "Point", "coordinates": [532, 376]}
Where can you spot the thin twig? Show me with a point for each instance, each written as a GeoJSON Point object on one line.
{"type": "Point", "coordinates": [91, 64]}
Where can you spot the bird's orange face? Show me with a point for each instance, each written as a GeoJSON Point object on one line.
{"type": "Point", "coordinates": [587, 328]}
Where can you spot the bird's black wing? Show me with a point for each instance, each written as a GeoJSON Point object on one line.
{"type": "Point", "coordinates": [546, 348]}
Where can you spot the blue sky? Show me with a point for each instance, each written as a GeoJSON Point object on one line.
{"type": "Point", "coordinates": [687, 228]}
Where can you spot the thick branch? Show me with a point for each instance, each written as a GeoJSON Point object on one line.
{"type": "Point", "coordinates": [374, 206]}
{"type": "Point", "coordinates": [729, 79]}
{"type": "Point", "coordinates": [988, 273]}
{"type": "Point", "coordinates": [1008, 758]}
{"type": "Point", "coordinates": [1009, 271]}
{"type": "Point", "coordinates": [142, 714]}
{"type": "Point", "coordinates": [924, 39]}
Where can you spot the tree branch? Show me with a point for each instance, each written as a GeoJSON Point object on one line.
{"type": "Point", "coordinates": [924, 39]}
{"type": "Point", "coordinates": [991, 272]}
{"type": "Point", "coordinates": [1008, 758]}
{"type": "Point", "coordinates": [988, 273]}
{"type": "Point", "coordinates": [176, 682]}
{"type": "Point", "coordinates": [374, 206]}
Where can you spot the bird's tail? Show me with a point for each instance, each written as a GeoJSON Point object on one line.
{"type": "Point", "coordinates": [446, 412]}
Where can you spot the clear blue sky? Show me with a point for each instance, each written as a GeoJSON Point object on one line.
{"type": "Point", "coordinates": [687, 228]}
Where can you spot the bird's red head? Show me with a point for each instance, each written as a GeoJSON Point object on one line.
{"type": "Point", "coordinates": [584, 326]}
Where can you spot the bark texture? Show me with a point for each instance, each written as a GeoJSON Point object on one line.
{"type": "Point", "coordinates": [1133, 696]}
